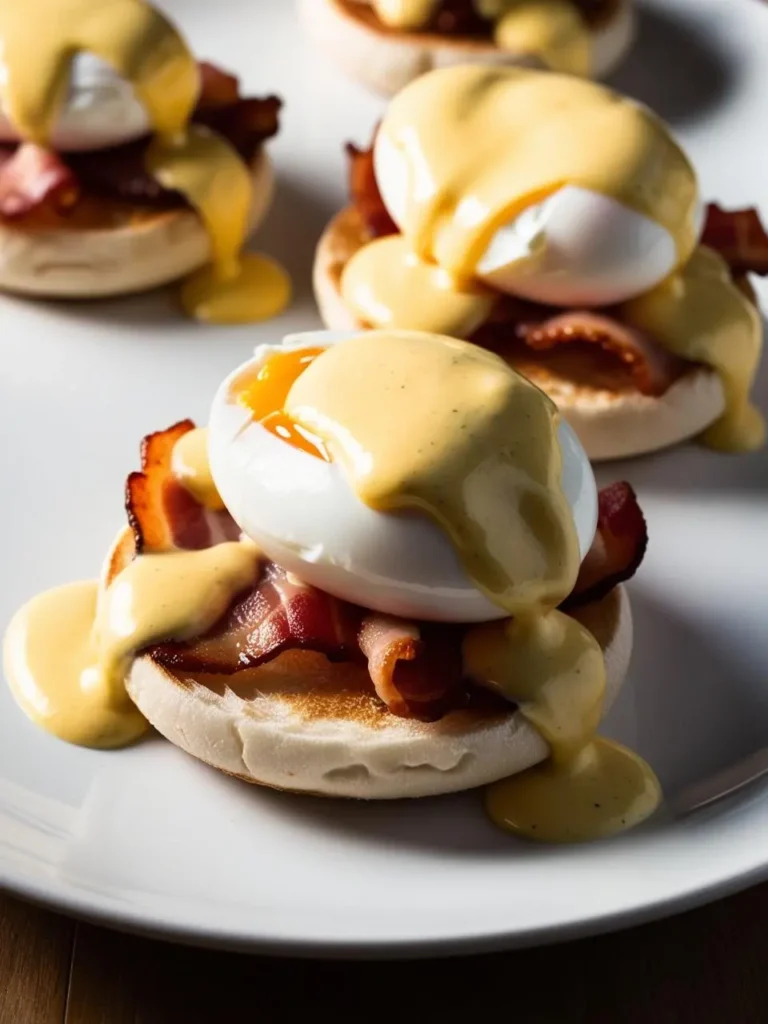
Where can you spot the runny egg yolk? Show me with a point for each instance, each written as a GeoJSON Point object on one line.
{"type": "Point", "coordinates": [264, 393]}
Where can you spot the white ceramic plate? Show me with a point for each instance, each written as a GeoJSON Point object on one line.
{"type": "Point", "coordinates": [149, 839]}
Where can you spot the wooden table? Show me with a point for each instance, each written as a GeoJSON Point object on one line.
{"type": "Point", "coordinates": [710, 965]}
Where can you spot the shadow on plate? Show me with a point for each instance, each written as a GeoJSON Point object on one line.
{"type": "Point", "coordinates": [699, 703]}
{"type": "Point", "coordinates": [289, 234]}
{"type": "Point", "coordinates": [676, 67]}
{"type": "Point", "coordinates": [697, 709]}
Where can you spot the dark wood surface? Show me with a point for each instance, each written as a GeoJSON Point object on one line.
{"type": "Point", "coordinates": [709, 965]}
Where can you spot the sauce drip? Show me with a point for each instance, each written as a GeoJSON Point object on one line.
{"type": "Point", "coordinates": [553, 667]}
{"type": "Point", "coordinates": [550, 31]}
{"type": "Point", "coordinates": [701, 315]}
{"type": "Point", "coordinates": [68, 651]}
{"type": "Point", "coordinates": [40, 39]}
{"type": "Point", "coordinates": [449, 429]}
{"type": "Point", "coordinates": [387, 285]}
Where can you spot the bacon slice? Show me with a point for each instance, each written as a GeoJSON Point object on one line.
{"type": "Point", "coordinates": [161, 512]}
{"type": "Point", "coordinates": [415, 669]}
{"type": "Point", "coordinates": [279, 614]}
{"type": "Point", "coordinates": [618, 549]}
{"type": "Point", "coordinates": [31, 176]}
{"type": "Point", "coordinates": [364, 192]}
{"type": "Point", "coordinates": [217, 88]}
{"type": "Point", "coordinates": [414, 679]}
{"type": "Point", "coordinates": [739, 237]}
{"type": "Point", "coordinates": [653, 369]}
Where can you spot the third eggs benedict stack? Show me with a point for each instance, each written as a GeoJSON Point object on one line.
{"type": "Point", "coordinates": [384, 570]}
{"type": "Point", "coordinates": [561, 225]}
{"type": "Point", "coordinates": [126, 164]}
{"type": "Point", "coordinates": [385, 44]}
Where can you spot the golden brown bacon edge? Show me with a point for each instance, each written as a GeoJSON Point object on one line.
{"type": "Point", "coordinates": [32, 178]}
{"type": "Point", "coordinates": [145, 490]}
{"type": "Point", "coordinates": [415, 668]}
{"type": "Point", "coordinates": [162, 514]}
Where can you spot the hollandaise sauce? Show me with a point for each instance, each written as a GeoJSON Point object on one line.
{"type": "Point", "coordinates": [480, 145]}
{"type": "Point", "coordinates": [448, 430]}
{"type": "Point", "coordinates": [551, 32]}
{"type": "Point", "coordinates": [701, 315]}
{"type": "Point", "coordinates": [68, 651]}
{"type": "Point", "coordinates": [40, 39]}
{"type": "Point", "coordinates": [192, 469]}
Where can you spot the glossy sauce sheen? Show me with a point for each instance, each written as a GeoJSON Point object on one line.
{"type": "Point", "coordinates": [483, 144]}
{"type": "Point", "coordinates": [485, 466]}
{"type": "Point", "coordinates": [68, 651]}
{"type": "Point", "coordinates": [550, 31]}
{"type": "Point", "coordinates": [192, 469]}
{"type": "Point", "coordinates": [40, 38]}
{"type": "Point", "coordinates": [449, 429]}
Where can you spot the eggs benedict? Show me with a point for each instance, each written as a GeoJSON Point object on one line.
{"type": "Point", "coordinates": [561, 226]}
{"type": "Point", "coordinates": [125, 164]}
{"type": "Point", "coordinates": [385, 44]}
{"type": "Point", "coordinates": [397, 590]}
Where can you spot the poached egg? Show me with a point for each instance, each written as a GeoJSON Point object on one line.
{"type": "Point", "coordinates": [303, 513]}
{"type": "Point", "coordinates": [100, 109]}
{"type": "Point", "coordinates": [576, 247]}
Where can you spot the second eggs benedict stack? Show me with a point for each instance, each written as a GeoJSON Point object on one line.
{"type": "Point", "coordinates": [561, 225]}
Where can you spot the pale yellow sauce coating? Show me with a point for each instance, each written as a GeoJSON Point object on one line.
{"type": "Point", "coordinates": [701, 315]}
{"type": "Point", "coordinates": [553, 668]}
{"type": "Point", "coordinates": [192, 468]}
{"type": "Point", "coordinates": [69, 650]}
{"type": "Point", "coordinates": [448, 428]}
{"type": "Point", "coordinates": [552, 32]}
{"type": "Point", "coordinates": [386, 285]}
{"type": "Point", "coordinates": [482, 144]}
{"type": "Point", "coordinates": [40, 39]}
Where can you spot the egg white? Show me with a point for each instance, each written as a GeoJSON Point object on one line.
{"type": "Point", "coordinates": [303, 514]}
{"type": "Point", "coordinates": [574, 248]}
{"type": "Point", "coordinates": [100, 110]}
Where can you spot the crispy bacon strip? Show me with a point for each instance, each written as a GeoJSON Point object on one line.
{"type": "Point", "coordinates": [739, 237]}
{"type": "Point", "coordinates": [618, 549]}
{"type": "Point", "coordinates": [365, 194]}
{"type": "Point", "coordinates": [162, 514]}
{"type": "Point", "coordinates": [653, 368]}
{"type": "Point", "coordinates": [414, 679]}
{"type": "Point", "coordinates": [279, 614]}
{"type": "Point", "coordinates": [31, 176]}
